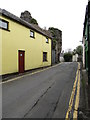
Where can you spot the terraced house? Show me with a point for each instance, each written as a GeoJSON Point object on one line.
{"type": "Point", "coordinates": [86, 41]}
{"type": "Point", "coordinates": [23, 46]}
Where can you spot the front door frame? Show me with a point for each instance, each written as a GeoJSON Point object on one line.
{"type": "Point", "coordinates": [21, 66]}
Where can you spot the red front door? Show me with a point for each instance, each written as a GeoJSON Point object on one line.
{"type": "Point", "coordinates": [21, 55]}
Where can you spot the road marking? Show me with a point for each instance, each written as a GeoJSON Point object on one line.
{"type": "Point", "coordinates": [73, 94]}
{"type": "Point", "coordinates": [16, 78]}
{"type": "Point", "coordinates": [77, 99]}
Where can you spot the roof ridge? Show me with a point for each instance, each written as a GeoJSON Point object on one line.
{"type": "Point", "coordinates": [25, 23]}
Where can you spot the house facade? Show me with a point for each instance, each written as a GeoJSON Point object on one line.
{"type": "Point", "coordinates": [75, 58]}
{"type": "Point", "coordinates": [86, 41]}
{"type": "Point", "coordinates": [23, 46]}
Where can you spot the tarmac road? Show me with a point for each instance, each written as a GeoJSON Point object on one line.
{"type": "Point", "coordinates": [45, 94]}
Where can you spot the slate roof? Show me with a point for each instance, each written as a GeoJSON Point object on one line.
{"type": "Point", "coordinates": [34, 27]}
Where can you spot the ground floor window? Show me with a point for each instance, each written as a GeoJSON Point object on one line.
{"type": "Point", "coordinates": [44, 56]}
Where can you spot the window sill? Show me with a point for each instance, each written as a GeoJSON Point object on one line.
{"type": "Point", "coordinates": [5, 29]}
{"type": "Point", "coordinates": [45, 61]}
{"type": "Point", "coordinates": [32, 37]}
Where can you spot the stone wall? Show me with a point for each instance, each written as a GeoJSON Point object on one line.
{"type": "Point", "coordinates": [56, 41]}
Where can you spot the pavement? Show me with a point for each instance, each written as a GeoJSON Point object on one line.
{"type": "Point", "coordinates": [84, 106]}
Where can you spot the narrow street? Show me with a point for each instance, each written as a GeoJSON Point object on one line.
{"type": "Point", "coordinates": [45, 94]}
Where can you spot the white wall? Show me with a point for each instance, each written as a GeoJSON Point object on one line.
{"type": "Point", "coordinates": [74, 58]}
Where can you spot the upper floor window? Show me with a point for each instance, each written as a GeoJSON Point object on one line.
{"type": "Point", "coordinates": [3, 24]}
{"type": "Point", "coordinates": [32, 34]}
{"type": "Point", "coordinates": [47, 40]}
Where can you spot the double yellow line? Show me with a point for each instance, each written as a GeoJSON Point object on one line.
{"type": "Point", "coordinates": [76, 85]}
{"type": "Point", "coordinates": [77, 97]}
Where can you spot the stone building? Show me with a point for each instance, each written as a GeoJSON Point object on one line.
{"type": "Point", "coordinates": [56, 42]}
{"type": "Point", "coordinates": [26, 15]}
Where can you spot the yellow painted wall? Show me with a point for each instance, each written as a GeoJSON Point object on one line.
{"type": "Point", "coordinates": [19, 39]}
{"type": "Point", "coordinates": [0, 51]}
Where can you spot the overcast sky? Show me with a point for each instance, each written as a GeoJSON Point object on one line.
{"type": "Point", "coordinates": [66, 15]}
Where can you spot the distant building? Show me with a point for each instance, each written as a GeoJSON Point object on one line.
{"type": "Point", "coordinates": [61, 59]}
{"type": "Point", "coordinates": [75, 58]}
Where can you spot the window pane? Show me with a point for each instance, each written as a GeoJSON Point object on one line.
{"type": "Point", "coordinates": [31, 33]}
{"type": "Point", "coordinates": [44, 56]}
{"type": "Point", "coordinates": [47, 40]}
{"type": "Point", "coordinates": [0, 23]}
{"type": "Point", "coordinates": [3, 24]}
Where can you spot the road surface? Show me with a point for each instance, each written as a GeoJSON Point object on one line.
{"type": "Point", "coordinates": [44, 94]}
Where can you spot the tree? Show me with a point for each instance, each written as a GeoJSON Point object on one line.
{"type": "Point", "coordinates": [74, 52]}
{"type": "Point", "coordinates": [68, 57]}
{"type": "Point", "coordinates": [79, 50]}
{"type": "Point", "coordinates": [33, 21]}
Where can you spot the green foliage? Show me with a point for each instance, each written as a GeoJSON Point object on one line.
{"type": "Point", "coordinates": [68, 57]}
{"type": "Point", "coordinates": [33, 21]}
{"type": "Point", "coordinates": [74, 52]}
{"type": "Point", "coordinates": [79, 50]}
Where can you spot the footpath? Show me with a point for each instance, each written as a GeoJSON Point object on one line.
{"type": "Point", "coordinates": [84, 106]}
